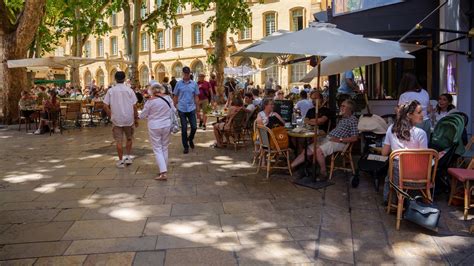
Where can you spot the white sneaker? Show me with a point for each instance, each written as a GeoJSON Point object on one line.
{"type": "Point", "coordinates": [128, 160]}
{"type": "Point", "coordinates": [37, 132]}
{"type": "Point", "coordinates": [57, 130]}
{"type": "Point", "coordinates": [120, 164]}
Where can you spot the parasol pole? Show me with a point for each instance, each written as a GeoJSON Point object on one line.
{"type": "Point", "coordinates": [316, 111]}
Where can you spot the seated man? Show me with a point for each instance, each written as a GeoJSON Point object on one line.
{"type": "Point", "coordinates": [248, 102]}
{"type": "Point", "coordinates": [303, 105]}
{"type": "Point", "coordinates": [323, 113]}
{"type": "Point", "coordinates": [345, 132]}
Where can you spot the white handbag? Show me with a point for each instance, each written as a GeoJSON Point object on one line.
{"type": "Point", "coordinates": [175, 126]}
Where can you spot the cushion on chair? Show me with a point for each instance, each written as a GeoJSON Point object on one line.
{"type": "Point", "coordinates": [461, 174]}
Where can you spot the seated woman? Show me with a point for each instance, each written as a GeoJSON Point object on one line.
{"type": "Point", "coordinates": [237, 104]}
{"type": "Point", "coordinates": [404, 134]}
{"type": "Point", "coordinates": [445, 106]}
{"type": "Point", "coordinates": [323, 113]}
{"type": "Point", "coordinates": [51, 108]}
{"type": "Point", "coordinates": [267, 117]}
{"type": "Point", "coordinates": [27, 105]}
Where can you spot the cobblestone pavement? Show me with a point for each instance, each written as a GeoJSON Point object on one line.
{"type": "Point", "coordinates": [63, 202]}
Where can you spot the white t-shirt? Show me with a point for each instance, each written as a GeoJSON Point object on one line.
{"type": "Point", "coordinates": [251, 107]}
{"type": "Point", "coordinates": [304, 105]}
{"type": "Point", "coordinates": [121, 100]}
{"type": "Point", "coordinates": [423, 97]}
{"type": "Point", "coordinates": [158, 113]}
{"type": "Point", "coordinates": [418, 140]}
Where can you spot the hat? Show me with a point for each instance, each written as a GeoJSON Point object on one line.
{"type": "Point", "coordinates": [186, 70]}
{"type": "Point", "coordinates": [119, 76]}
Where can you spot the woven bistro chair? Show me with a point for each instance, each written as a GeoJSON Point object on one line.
{"type": "Point", "coordinates": [269, 154]}
{"type": "Point", "coordinates": [236, 131]}
{"type": "Point", "coordinates": [347, 161]}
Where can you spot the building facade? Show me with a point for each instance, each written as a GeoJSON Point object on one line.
{"type": "Point", "coordinates": [188, 44]}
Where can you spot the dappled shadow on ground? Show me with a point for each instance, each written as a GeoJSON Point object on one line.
{"type": "Point", "coordinates": [65, 191]}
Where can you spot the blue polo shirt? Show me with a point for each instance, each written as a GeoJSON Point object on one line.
{"type": "Point", "coordinates": [186, 91]}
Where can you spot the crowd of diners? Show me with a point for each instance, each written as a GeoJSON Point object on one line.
{"type": "Point", "coordinates": [411, 129]}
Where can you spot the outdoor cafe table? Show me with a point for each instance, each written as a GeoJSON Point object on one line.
{"type": "Point", "coordinates": [305, 134]}
{"type": "Point", "coordinates": [218, 116]}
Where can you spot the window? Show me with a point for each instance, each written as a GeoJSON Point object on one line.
{"type": "Point", "coordinates": [100, 77]}
{"type": "Point", "coordinates": [143, 11]}
{"type": "Point", "coordinates": [297, 19]}
{"type": "Point", "coordinates": [87, 49]}
{"type": "Point", "coordinates": [177, 70]}
{"type": "Point", "coordinates": [159, 3]}
{"type": "Point", "coordinates": [271, 66]}
{"type": "Point", "coordinates": [87, 78]}
{"type": "Point", "coordinates": [144, 76]}
{"type": "Point", "coordinates": [197, 68]}
{"type": "Point", "coordinates": [270, 23]}
{"type": "Point", "coordinates": [179, 10]}
{"type": "Point", "coordinates": [160, 40]}
{"type": "Point", "coordinates": [144, 42]}
{"type": "Point", "coordinates": [246, 33]}
{"type": "Point", "coordinates": [112, 76]}
{"type": "Point", "coordinates": [177, 37]}
{"type": "Point", "coordinates": [160, 72]}
{"type": "Point", "coordinates": [100, 48]}
{"type": "Point", "coordinates": [113, 46]}
{"type": "Point", "coordinates": [197, 34]}
{"type": "Point", "coordinates": [298, 71]}
{"type": "Point", "coordinates": [113, 19]}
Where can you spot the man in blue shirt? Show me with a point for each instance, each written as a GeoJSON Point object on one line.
{"type": "Point", "coordinates": [186, 101]}
{"type": "Point", "coordinates": [348, 85]}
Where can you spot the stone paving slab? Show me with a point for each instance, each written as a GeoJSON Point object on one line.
{"type": "Point", "coordinates": [104, 229]}
{"type": "Point", "coordinates": [34, 232]}
{"type": "Point", "coordinates": [62, 260]}
{"type": "Point", "coordinates": [92, 246]}
{"type": "Point", "coordinates": [70, 205]}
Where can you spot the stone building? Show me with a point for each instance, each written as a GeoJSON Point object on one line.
{"type": "Point", "coordinates": [188, 44]}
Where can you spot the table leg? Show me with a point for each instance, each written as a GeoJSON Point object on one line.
{"type": "Point", "coordinates": [91, 122]}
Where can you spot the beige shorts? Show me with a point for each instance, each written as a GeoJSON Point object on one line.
{"type": "Point", "coordinates": [328, 147]}
{"type": "Point", "coordinates": [203, 105]}
{"type": "Point", "coordinates": [118, 133]}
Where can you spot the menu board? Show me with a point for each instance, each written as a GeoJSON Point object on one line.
{"type": "Point", "coordinates": [284, 108]}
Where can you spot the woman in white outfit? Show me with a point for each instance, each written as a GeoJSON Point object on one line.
{"type": "Point", "coordinates": [158, 111]}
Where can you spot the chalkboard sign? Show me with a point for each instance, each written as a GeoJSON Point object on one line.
{"type": "Point", "coordinates": [284, 108]}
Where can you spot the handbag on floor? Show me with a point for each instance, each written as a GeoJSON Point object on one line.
{"type": "Point", "coordinates": [419, 212]}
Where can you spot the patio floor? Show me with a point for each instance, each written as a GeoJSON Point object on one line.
{"type": "Point", "coordinates": [63, 202]}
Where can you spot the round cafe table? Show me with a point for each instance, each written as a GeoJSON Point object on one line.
{"type": "Point", "coordinates": [305, 134]}
{"type": "Point", "coordinates": [218, 116]}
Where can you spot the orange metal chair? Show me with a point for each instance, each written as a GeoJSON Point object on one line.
{"type": "Point", "coordinates": [417, 171]}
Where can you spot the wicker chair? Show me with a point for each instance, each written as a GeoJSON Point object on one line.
{"type": "Point", "coordinates": [346, 155]}
{"type": "Point", "coordinates": [267, 137]}
{"type": "Point", "coordinates": [236, 131]}
{"type": "Point", "coordinates": [73, 112]}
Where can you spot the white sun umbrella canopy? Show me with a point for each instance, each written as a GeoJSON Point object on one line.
{"type": "Point", "coordinates": [244, 52]}
{"type": "Point", "coordinates": [240, 71]}
{"type": "Point", "coordinates": [56, 61]}
{"type": "Point", "coordinates": [324, 39]}
{"type": "Point", "coordinates": [337, 64]}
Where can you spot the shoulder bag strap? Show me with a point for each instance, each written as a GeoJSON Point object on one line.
{"type": "Point", "coordinates": [165, 101]}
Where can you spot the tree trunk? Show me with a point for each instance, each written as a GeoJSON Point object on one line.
{"type": "Point", "coordinates": [76, 48]}
{"type": "Point", "coordinates": [127, 30]}
{"type": "Point", "coordinates": [220, 52]}
{"type": "Point", "coordinates": [15, 39]}
{"type": "Point", "coordinates": [134, 58]}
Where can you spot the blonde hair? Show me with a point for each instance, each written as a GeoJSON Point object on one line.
{"type": "Point", "coordinates": [157, 88]}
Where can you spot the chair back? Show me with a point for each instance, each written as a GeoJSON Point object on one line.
{"type": "Point", "coordinates": [252, 117]}
{"type": "Point", "coordinates": [98, 106]}
{"type": "Point", "coordinates": [415, 166]}
{"type": "Point", "coordinates": [72, 110]}
{"type": "Point", "coordinates": [267, 137]}
{"type": "Point", "coordinates": [239, 121]}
